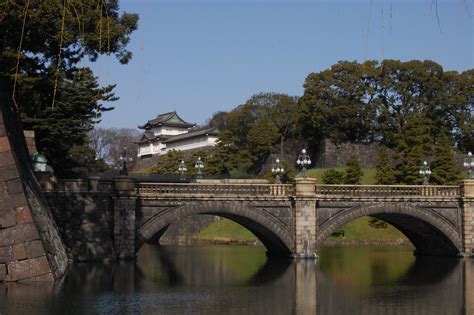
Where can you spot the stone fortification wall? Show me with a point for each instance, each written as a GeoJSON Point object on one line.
{"type": "Point", "coordinates": [30, 246]}
{"type": "Point", "coordinates": [332, 155]}
{"type": "Point", "coordinates": [84, 214]}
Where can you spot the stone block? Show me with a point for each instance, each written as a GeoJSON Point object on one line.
{"type": "Point", "coordinates": [14, 186]}
{"type": "Point", "coordinates": [27, 269]}
{"type": "Point", "coordinates": [8, 172]}
{"type": "Point", "coordinates": [3, 272]}
{"type": "Point", "coordinates": [19, 251]}
{"type": "Point", "coordinates": [45, 278]}
{"type": "Point", "coordinates": [7, 218]}
{"type": "Point", "coordinates": [6, 254]}
{"type": "Point", "coordinates": [23, 215]}
{"type": "Point", "coordinates": [4, 144]}
{"type": "Point", "coordinates": [35, 249]}
{"type": "Point", "coordinates": [15, 201]}
{"type": "Point", "coordinates": [18, 234]}
{"type": "Point", "coordinates": [6, 158]}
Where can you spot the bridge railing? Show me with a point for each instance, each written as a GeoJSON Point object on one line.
{"type": "Point", "coordinates": [387, 190]}
{"type": "Point", "coordinates": [154, 189]}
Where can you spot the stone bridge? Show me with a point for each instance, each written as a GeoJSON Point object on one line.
{"type": "Point", "coordinates": [101, 219]}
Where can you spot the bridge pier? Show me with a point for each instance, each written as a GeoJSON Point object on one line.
{"type": "Point", "coordinates": [305, 218]}
{"type": "Point", "coordinates": [125, 225]}
{"type": "Point", "coordinates": [467, 194]}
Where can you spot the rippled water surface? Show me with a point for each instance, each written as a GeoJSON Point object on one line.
{"type": "Point", "coordinates": [240, 280]}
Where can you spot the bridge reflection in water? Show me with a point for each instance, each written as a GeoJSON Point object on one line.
{"type": "Point", "coordinates": [240, 280]}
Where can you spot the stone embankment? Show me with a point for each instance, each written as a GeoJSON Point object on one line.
{"type": "Point", "coordinates": [30, 246]}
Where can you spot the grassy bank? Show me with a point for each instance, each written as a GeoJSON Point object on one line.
{"type": "Point", "coordinates": [225, 230]}
{"type": "Point", "coordinates": [356, 231]}
{"type": "Point", "coordinates": [361, 230]}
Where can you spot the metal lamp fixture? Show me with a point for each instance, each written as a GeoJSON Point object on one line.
{"type": "Point", "coordinates": [304, 160]}
{"type": "Point", "coordinates": [469, 164]}
{"type": "Point", "coordinates": [199, 166]}
{"type": "Point", "coordinates": [124, 158]}
{"type": "Point", "coordinates": [278, 170]}
{"type": "Point", "coordinates": [425, 171]}
{"type": "Point", "coordinates": [182, 169]}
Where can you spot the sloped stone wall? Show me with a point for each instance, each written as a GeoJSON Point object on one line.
{"type": "Point", "coordinates": [332, 155]}
{"type": "Point", "coordinates": [30, 246]}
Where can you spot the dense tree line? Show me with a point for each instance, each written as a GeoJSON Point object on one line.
{"type": "Point", "coordinates": [415, 110]}
{"type": "Point", "coordinates": [373, 101]}
{"type": "Point", "coordinates": [42, 43]}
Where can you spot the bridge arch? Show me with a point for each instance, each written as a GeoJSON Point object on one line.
{"type": "Point", "coordinates": [429, 232]}
{"type": "Point", "coordinates": [275, 235]}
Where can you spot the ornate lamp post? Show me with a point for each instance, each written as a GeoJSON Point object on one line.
{"type": "Point", "coordinates": [182, 169]}
{"type": "Point", "coordinates": [199, 166]}
{"type": "Point", "coordinates": [124, 158]}
{"type": "Point", "coordinates": [303, 161]}
{"type": "Point", "coordinates": [425, 171]}
{"type": "Point", "coordinates": [469, 164]}
{"type": "Point", "coordinates": [278, 170]}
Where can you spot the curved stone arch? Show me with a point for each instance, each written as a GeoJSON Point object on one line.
{"type": "Point", "coordinates": [276, 236]}
{"type": "Point", "coordinates": [429, 232]}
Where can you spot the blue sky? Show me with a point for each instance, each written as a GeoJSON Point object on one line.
{"type": "Point", "coordinates": [202, 56]}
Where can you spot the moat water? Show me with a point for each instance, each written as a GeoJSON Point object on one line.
{"type": "Point", "coordinates": [240, 280]}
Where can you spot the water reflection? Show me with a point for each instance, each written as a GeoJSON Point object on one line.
{"type": "Point", "coordinates": [236, 280]}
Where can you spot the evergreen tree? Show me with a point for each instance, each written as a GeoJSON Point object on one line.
{"type": "Point", "coordinates": [384, 173]}
{"type": "Point", "coordinates": [227, 156]}
{"type": "Point", "coordinates": [260, 139]}
{"type": "Point", "coordinates": [332, 176]}
{"type": "Point", "coordinates": [413, 146]}
{"type": "Point", "coordinates": [56, 98]}
{"type": "Point", "coordinates": [353, 173]}
{"type": "Point", "coordinates": [443, 167]}
{"type": "Point", "coordinates": [168, 163]}
{"type": "Point", "coordinates": [76, 110]}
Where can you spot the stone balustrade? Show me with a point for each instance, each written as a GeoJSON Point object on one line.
{"type": "Point", "coordinates": [154, 189]}
{"type": "Point", "coordinates": [216, 188]}
{"type": "Point", "coordinates": [387, 191]}
{"type": "Point", "coordinates": [158, 189]}
{"type": "Point", "coordinates": [93, 184]}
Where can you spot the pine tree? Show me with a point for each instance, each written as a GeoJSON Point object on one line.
{"type": "Point", "coordinates": [413, 146]}
{"type": "Point", "coordinates": [79, 105]}
{"type": "Point", "coordinates": [168, 163]}
{"type": "Point", "coordinates": [353, 173]}
{"type": "Point", "coordinates": [384, 173]}
{"type": "Point", "coordinates": [332, 176]}
{"type": "Point", "coordinates": [57, 98]}
{"type": "Point", "coordinates": [444, 171]}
